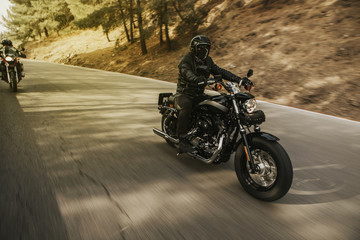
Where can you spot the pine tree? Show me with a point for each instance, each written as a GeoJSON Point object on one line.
{"type": "Point", "coordinates": [106, 17]}
{"type": "Point", "coordinates": [139, 12]}
{"type": "Point", "coordinates": [28, 18]}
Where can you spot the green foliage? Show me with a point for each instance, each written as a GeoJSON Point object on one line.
{"type": "Point", "coordinates": [34, 18]}
{"type": "Point", "coordinates": [107, 18]}
{"type": "Point", "coordinates": [28, 18]}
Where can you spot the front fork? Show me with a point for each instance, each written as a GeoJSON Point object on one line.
{"type": "Point", "coordinates": [8, 74]}
{"type": "Point", "coordinates": [243, 137]}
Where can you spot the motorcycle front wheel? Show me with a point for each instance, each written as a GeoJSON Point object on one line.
{"type": "Point", "coordinates": [274, 174]}
{"type": "Point", "coordinates": [13, 82]}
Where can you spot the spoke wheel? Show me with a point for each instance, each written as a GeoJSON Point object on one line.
{"type": "Point", "coordinates": [266, 173]}
{"type": "Point", "coordinates": [274, 173]}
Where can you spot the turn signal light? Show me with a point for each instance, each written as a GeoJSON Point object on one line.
{"type": "Point", "coordinates": [218, 87]}
{"type": "Point", "coordinates": [171, 105]}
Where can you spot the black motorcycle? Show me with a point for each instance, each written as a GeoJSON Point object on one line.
{"type": "Point", "coordinates": [221, 125]}
{"type": "Point", "coordinates": [11, 65]}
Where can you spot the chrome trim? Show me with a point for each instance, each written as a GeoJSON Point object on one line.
{"type": "Point", "coordinates": [237, 111]}
{"type": "Point", "coordinates": [168, 108]}
{"type": "Point", "coordinates": [176, 141]}
{"type": "Point", "coordinates": [165, 136]}
{"type": "Point", "coordinates": [214, 156]}
{"type": "Point", "coordinates": [7, 72]}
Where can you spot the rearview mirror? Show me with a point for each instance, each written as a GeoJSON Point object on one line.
{"type": "Point", "coordinates": [250, 73]}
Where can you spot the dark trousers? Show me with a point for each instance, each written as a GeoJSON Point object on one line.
{"type": "Point", "coordinates": [185, 104]}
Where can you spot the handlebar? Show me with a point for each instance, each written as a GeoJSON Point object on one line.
{"type": "Point", "coordinates": [245, 81]}
{"type": "Point", "coordinates": [228, 86]}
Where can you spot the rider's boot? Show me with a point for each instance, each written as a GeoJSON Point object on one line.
{"type": "Point", "coordinates": [184, 144]}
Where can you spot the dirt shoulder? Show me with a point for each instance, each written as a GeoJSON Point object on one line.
{"type": "Point", "coordinates": [304, 54]}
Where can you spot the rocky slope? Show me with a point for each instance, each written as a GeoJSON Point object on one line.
{"type": "Point", "coordinates": [304, 53]}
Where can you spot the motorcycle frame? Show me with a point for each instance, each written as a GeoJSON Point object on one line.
{"type": "Point", "coordinates": [235, 144]}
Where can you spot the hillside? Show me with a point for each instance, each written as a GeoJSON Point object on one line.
{"type": "Point", "coordinates": [304, 53]}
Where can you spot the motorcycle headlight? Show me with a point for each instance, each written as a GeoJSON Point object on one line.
{"type": "Point", "coordinates": [250, 105]}
{"type": "Point", "coordinates": [9, 59]}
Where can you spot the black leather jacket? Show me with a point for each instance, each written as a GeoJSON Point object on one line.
{"type": "Point", "coordinates": [192, 72]}
{"type": "Point", "coordinates": [6, 50]}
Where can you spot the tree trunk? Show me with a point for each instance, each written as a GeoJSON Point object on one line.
{"type": "Point", "coordinates": [46, 32]}
{"type": "Point", "coordinates": [107, 36]}
{"type": "Point", "coordinates": [161, 34]}
{"type": "Point", "coordinates": [161, 23]}
{"type": "Point", "coordinates": [141, 30]}
{"type": "Point", "coordinates": [131, 13]}
{"type": "Point", "coordinates": [177, 10]}
{"type": "Point", "coordinates": [124, 21]}
{"type": "Point", "coordinates": [166, 15]}
{"type": "Point", "coordinates": [39, 31]}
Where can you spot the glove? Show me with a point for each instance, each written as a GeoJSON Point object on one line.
{"type": "Point", "coordinates": [217, 78]}
{"type": "Point", "coordinates": [247, 84]}
{"type": "Point", "coordinates": [202, 80]}
{"type": "Point", "coordinates": [238, 80]}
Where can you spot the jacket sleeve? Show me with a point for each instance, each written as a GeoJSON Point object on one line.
{"type": "Point", "coordinates": [216, 70]}
{"type": "Point", "coordinates": [186, 72]}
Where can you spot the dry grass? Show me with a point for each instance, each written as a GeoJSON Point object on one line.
{"type": "Point", "coordinates": [304, 53]}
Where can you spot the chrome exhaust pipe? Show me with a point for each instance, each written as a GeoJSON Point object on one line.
{"type": "Point", "coordinates": [194, 155]}
{"type": "Point", "coordinates": [214, 156]}
{"type": "Point", "coordinates": [165, 136]}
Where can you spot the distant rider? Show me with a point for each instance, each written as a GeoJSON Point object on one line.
{"type": "Point", "coordinates": [7, 46]}
{"type": "Point", "coordinates": [194, 68]}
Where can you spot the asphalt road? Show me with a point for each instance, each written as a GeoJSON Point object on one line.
{"type": "Point", "coordinates": [78, 160]}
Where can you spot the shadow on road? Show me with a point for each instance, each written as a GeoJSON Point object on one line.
{"type": "Point", "coordinates": [28, 206]}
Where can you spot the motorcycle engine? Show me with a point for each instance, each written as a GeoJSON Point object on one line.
{"type": "Point", "coordinates": [205, 135]}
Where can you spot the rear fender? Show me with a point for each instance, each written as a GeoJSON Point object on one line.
{"type": "Point", "coordinates": [163, 109]}
{"type": "Point", "coordinates": [166, 102]}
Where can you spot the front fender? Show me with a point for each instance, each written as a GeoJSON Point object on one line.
{"type": "Point", "coordinates": [264, 135]}
{"type": "Point", "coordinates": [249, 137]}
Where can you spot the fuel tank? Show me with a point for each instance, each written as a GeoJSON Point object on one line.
{"type": "Point", "coordinates": [216, 104]}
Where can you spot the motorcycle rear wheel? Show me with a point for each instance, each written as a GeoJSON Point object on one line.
{"type": "Point", "coordinates": [274, 178]}
{"type": "Point", "coordinates": [168, 126]}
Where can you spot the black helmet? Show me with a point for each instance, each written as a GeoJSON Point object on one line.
{"type": "Point", "coordinates": [200, 46]}
{"type": "Point", "coordinates": [6, 41]}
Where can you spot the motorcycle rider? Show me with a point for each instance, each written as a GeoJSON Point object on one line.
{"type": "Point", "coordinates": [194, 70]}
{"type": "Point", "coordinates": [7, 46]}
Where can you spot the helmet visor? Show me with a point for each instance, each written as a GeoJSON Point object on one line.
{"type": "Point", "coordinates": [202, 51]}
